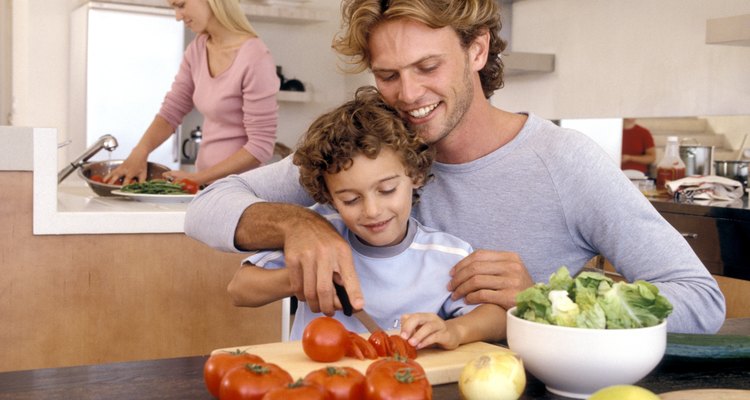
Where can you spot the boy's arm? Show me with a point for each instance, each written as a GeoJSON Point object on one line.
{"type": "Point", "coordinates": [487, 322]}
{"type": "Point", "coordinates": [253, 286]}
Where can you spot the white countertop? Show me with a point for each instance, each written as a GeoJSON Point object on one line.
{"type": "Point", "coordinates": [72, 207]}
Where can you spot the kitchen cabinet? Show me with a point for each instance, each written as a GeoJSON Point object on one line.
{"type": "Point", "coordinates": [734, 31]}
{"type": "Point", "coordinates": [138, 292]}
{"type": "Point", "coordinates": [718, 235]}
{"type": "Point", "coordinates": [520, 63]}
{"type": "Point", "coordinates": [255, 10]}
{"type": "Point", "coordinates": [284, 14]}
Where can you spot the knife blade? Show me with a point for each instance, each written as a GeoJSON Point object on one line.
{"type": "Point", "coordinates": [348, 310]}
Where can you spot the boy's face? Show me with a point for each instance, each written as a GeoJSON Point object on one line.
{"type": "Point", "coordinates": [374, 197]}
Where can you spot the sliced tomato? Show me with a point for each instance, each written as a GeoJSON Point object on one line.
{"type": "Point", "coordinates": [379, 341]}
{"type": "Point", "coordinates": [354, 351]}
{"type": "Point", "coordinates": [364, 347]}
{"type": "Point", "coordinates": [399, 346]}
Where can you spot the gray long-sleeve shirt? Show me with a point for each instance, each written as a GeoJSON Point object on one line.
{"type": "Point", "coordinates": [551, 195]}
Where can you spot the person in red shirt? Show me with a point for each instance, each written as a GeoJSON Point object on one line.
{"type": "Point", "coordinates": [638, 150]}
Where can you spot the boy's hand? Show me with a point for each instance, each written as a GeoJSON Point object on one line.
{"type": "Point", "coordinates": [426, 329]}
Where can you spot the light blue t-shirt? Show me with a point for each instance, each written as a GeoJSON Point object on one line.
{"type": "Point", "coordinates": [409, 277]}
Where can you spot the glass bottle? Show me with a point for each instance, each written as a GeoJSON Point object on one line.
{"type": "Point", "coordinates": [670, 167]}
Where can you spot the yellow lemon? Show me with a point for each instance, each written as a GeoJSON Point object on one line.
{"type": "Point", "coordinates": [624, 392]}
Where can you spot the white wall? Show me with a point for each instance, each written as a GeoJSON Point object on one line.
{"type": "Point", "coordinates": [613, 58]}
{"type": "Point", "coordinates": [304, 53]}
{"type": "Point", "coordinates": [5, 64]}
{"type": "Point", "coordinates": [640, 58]}
{"type": "Point", "coordinates": [40, 63]}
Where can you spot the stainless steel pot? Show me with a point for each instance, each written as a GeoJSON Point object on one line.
{"type": "Point", "coordinates": [698, 159]}
{"type": "Point", "coordinates": [736, 170]}
{"type": "Point", "coordinates": [191, 145]}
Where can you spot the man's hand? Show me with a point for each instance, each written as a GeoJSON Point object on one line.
{"type": "Point", "coordinates": [316, 254]}
{"type": "Point", "coordinates": [486, 276]}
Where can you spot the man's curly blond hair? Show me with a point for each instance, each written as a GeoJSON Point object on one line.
{"type": "Point", "coordinates": [365, 126]}
{"type": "Point", "coordinates": [468, 18]}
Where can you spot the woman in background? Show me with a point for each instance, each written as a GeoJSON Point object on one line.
{"type": "Point", "coordinates": [229, 75]}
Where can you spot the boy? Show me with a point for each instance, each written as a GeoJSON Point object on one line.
{"type": "Point", "coordinates": [364, 168]}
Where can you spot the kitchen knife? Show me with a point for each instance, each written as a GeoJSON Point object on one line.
{"type": "Point", "coordinates": [348, 310]}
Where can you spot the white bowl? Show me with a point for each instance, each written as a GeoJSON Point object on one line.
{"type": "Point", "coordinates": [576, 362]}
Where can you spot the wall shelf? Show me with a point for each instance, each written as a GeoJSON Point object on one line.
{"type": "Point", "coordinates": [733, 31]}
{"type": "Point", "coordinates": [255, 11]}
{"type": "Point", "coordinates": [294, 97]}
{"type": "Point", "coordinates": [286, 14]}
{"type": "Point", "coordinates": [519, 63]}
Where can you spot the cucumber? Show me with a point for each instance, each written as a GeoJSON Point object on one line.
{"type": "Point", "coordinates": [708, 346]}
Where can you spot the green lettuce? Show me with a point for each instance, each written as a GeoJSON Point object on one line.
{"type": "Point", "coordinates": [634, 305]}
{"type": "Point", "coordinates": [564, 311]}
{"type": "Point", "coordinates": [592, 300]}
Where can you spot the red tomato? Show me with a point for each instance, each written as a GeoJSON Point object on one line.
{"type": "Point", "coordinates": [341, 383]}
{"type": "Point", "coordinates": [188, 186]}
{"type": "Point", "coordinates": [387, 382]}
{"type": "Point", "coordinates": [299, 390]}
{"type": "Point", "coordinates": [325, 339]}
{"type": "Point", "coordinates": [395, 363]}
{"type": "Point", "coordinates": [252, 381]}
{"type": "Point", "coordinates": [97, 178]}
{"type": "Point", "coordinates": [399, 346]}
{"type": "Point", "coordinates": [360, 348]}
{"type": "Point", "coordinates": [379, 341]}
{"type": "Point", "coordinates": [220, 363]}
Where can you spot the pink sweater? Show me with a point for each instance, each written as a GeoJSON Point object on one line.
{"type": "Point", "coordinates": [239, 105]}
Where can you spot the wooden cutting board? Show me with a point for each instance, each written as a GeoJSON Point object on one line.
{"type": "Point", "coordinates": [441, 366]}
{"type": "Point", "coordinates": [707, 394]}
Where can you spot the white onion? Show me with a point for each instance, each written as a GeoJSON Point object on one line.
{"type": "Point", "coordinates": [493, 376]}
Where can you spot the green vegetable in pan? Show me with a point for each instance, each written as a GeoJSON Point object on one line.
{"type": "Point", "coordinates": [156, 186]}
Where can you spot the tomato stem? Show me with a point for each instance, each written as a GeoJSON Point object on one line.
{"type": "Point", "coordinates": [406, 375]}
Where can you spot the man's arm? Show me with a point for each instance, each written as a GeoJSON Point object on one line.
{"type": "Point", "coordinates": [264, 209]}
{"type": "Point", "coordinates": [253, 286]}
{"type": "Point", "coordinates": [315, 252]}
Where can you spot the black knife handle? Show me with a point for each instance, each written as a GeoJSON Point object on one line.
{"type": "Point", "coordinates": [344, 299]}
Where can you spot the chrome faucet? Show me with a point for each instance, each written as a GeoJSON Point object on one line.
{"type": "Point", "coordinates": [107, 142]}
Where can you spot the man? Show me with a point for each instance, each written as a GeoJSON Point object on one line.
{"type": "Point", "coordinates": [638, 150]}
{"type": "Point", "coordinates": [530, 195]}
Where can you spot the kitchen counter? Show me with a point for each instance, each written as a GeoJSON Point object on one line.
{"type": "Point", "coordinates": [72, 207]}
{"type": "Point", "coordinates": [717, 232]}
{"type": "Point", "coordinates": [182, 378]}
{"type": "Point", "coordinates": [738, 209]}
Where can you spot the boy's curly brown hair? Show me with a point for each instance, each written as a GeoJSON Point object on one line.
{"type": "Point", "coordinates": [364, 126]}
